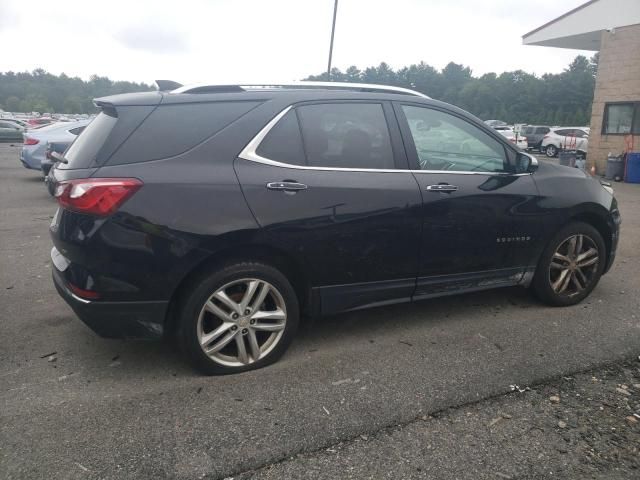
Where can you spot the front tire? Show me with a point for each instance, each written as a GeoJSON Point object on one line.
{"type": "Point", "coordinates": [237, 318]}
{"type": "Point", "coordinates": [570, 266]}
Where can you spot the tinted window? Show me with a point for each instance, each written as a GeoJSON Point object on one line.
{"type": "Point", "coordinates": [563, 132]}
{"type": "Point", "coordinates": [284, 143]}
{"type": "Point", "coordinates": [527, 130]}
{"type": "Point", "coordinates": [84, 149]}
{"type": "Point", "coordinates": [542, 130]}
{"type": "Point", "coordinates": [173, 129]}
{"type": "Point", "coordinates": [346, 135]}
{"type": "Point", "coordinates": [7, 125]}
{"type": "Point", "coordinates": [446, 142]}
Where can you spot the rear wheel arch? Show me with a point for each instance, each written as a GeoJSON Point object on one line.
{"type": "Point", "coordinates": [268, 255]}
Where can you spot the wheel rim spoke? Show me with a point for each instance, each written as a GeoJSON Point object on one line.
{"type": "Point", "coordinates": [253, 345]}
{"type": "Point", "coordinates": [576, 281]}
{"type": "Point", "coordinates": [558, 283]}
{"type": "Point", "coordinates": [252, 286]}
{"type": "Point", "coordinates": [579, 274]}
{"type": "Point", "coordinates": [587, 258]}
{"type": "Point", "coordinates": [217, 311]}
{"type": "Point", "coordinates": [269, 327]}
{"type": "Point", "coordinates": [559, 261]}
{"type": "Point", "coordinates": [578, 247]}
{"type": "Point", "coordinates": [222, 343]}
{"type": "Point", "coordinates": [222, 296]}
{"type": "Point", "coordinates": [261, 296]}
{"type": "Point", "coordinates": [207, 338]}
{"type": "Point", "coordinates": [242, 349]}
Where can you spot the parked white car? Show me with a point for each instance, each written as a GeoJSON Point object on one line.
{"type": "Point", "coordinates": [565, 138]}
{"type": "Point", "coordinates": [510, 134]}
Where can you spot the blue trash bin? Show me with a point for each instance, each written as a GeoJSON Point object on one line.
{"type": "Point", "coordinates": [633, 168]}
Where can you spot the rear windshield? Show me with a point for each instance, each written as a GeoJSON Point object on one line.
{"type": "Point", "coordinates": [83, 150]}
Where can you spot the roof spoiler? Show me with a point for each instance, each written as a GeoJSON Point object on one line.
{"type": "Point", "coordinates": [167, 85]}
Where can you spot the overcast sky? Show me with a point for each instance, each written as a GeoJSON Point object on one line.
{"type": "Point", "coordinates": [271, 40]}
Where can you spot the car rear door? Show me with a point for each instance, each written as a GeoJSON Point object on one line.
{"type": "Point", "coordinates": [476, 226]}
{"type": "Point", "coordinates": [329, 185]}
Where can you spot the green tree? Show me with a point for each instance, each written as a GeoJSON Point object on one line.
{"type": "Point", "coordinates": [515, 97]}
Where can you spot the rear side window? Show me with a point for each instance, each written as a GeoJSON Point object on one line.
{"type": "Point", "coordinates": [542, 130]}
{"type": "Point", "coordinates": [283, 143]}
{"type": "Point", "coordinates": [346, 135]}
{"type": "Point", "coordinates": [171, 130]}
{"type": "Point", "coordinates": [83, 150]}
{"type": "Point", "coordinates": [563, 132]}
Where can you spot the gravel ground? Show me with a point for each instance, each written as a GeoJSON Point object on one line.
{"type": "Point", "coordinates": [582, 426]}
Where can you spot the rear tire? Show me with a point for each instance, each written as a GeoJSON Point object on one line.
{"type": "Point", "coordinates": [570, 266]}
{"type": "Point", "coordinates": [240, 317]}
{"type": "Point", "coordinates": [551, 151]}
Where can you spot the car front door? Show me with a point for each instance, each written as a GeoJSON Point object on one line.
{"type": "Point", "coordinates": [477, 227]}
{"type": "Point", "coordinates": [329, 185]}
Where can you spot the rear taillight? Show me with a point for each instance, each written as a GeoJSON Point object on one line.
{"type": "Point", "coordinates": [31, 141]}
{"type": "Point", "coordinates": [96, 196]}
{"type": "Point", "coordinates": [524, 139]}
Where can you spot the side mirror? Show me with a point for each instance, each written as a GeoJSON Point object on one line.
{"type": "Point", "coordinates": [526, 163]}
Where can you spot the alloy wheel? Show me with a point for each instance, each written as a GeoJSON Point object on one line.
{"type": "Point", "coordinates": [242, 322]}
{"type": "Point", "coordinates": [551, 151]}
{"type": "Point", "coordinates": [574, 265]}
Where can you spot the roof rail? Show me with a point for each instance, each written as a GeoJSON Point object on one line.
{"type": "Point", "coordinates": [359, 87]}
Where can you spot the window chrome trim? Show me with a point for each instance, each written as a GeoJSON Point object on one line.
{"type": "Point", "coordinates": [249, 153]}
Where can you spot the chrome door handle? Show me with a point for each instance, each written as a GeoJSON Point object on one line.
{"type": "Point", "coordinates": [442, 187]}
{"type": "Point", "coordinates": [287, 186]}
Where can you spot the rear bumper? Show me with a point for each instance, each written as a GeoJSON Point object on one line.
{"type": "Point", "coordinates": [142, 320]}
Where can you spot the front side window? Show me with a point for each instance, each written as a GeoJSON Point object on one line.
{"type": "Point", "coordinates": [446, 142]}
{"type": "Point", "coordinates": [618, 119]}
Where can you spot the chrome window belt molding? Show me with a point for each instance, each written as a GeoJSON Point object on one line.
{"type": "Point", "coordinates": [249, 153]}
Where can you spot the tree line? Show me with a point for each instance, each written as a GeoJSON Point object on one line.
{"type": "Point", "coordinates": [555, 99]}
{"type": "Point", "coordinates": [514, 97]}
{"type": "Point", "coordinates": [40, 91]}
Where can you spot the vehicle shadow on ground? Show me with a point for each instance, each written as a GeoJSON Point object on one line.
{"type": "Point", "coordinates": [409, 315]}
{"type": "Point", "coordinates": [136, 359]}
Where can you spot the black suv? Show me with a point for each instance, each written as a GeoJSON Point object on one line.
{"type": "Point", "coordinates": [221, 214]}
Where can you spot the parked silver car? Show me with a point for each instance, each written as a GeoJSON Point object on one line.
{"type": "Point", "coordinates": [35, 141]}
{"type": "Point", "coordinates": [565, 138]}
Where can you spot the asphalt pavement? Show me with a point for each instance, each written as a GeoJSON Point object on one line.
{"type": "Point", "coordinates": [73, 405]}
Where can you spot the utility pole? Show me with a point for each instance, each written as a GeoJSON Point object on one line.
{"type": "Point", "coordinates": [333, 31]}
